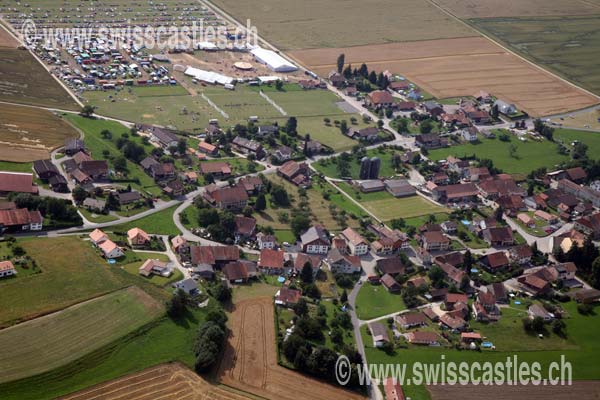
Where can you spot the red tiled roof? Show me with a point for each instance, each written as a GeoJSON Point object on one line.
{"type": "Point", "coordinates": [17, 182]}
{"type": "Point", "coordinates": [20, 216]}
{"type": "Point", "coordinates": [271, 259]}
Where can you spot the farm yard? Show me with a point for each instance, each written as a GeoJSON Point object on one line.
{"type": "Point", "coordinates": [529, 155]}
{"type": "Point", "coordinates": [569, 46]}
{"type": "Point", "coordinates": [168, 380]}
{"type": "Point", "coordinates": [314, 24]}
{"type": "Point", "coordinates": [29, 134]}
{"type": "Point", "coordinates": [579, 389]}
{"type": "Point", "coordinates": [249, 362]}
{"type": "Point", "coordinates": [73, 332]}
{"type": "Point", "coordinates": [24, 81]}
{"type": "Point", "coordinates": [517, 8]}
{"type": "Point", "coordinates": [460, 67]}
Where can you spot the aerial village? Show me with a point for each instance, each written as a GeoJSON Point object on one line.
{"type": "Point", "coordinates": [362, 214]}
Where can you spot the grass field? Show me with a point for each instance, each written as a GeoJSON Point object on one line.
{"type": "Point", "coordinates": [315, 24]}
{"type": "Point", "coordinates": [97, 144]}
{"type": "Point", "coordinates": [159, 223]}
{"type": "Point", "coordinates": [591, 139]}
{"type": "Point", "coordinates": [529, 155]}
{"type": "Point", "coordinates": [518, 8]}
{"type": "Point", "coordinates": [569, 46]}
{"type": "Point", "coordinates": [23, 80]}
{"type": "Point", "coordinates": [375, 301]}
{"type": "Point", "coordinates": [329, 167]}
{"type": "Point", "coordinates": [29, 134]}
{"type": "Point", "coordinates": [15, 167]}
{"type": "Point", "coordinates": [97, 218]}
{"type": "Point", "coordinates": [73, 332]}
{"type": "Point", "coordinates": [85, 275]}
{"type": "Point", "coordinates": [328, 135]}
{"type": "Point", "coordinates": [133, 268]}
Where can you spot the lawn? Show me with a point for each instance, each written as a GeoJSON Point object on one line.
{"type": "Point", "coordinates": [97, 218]}
{"type": "Point", "coordinates": [97, 144]}
{"type": "Point", "coordinates": [133, 268]}
{"type": "Point", "coordinates": [387, 207]}
{"type": "Point", "coordinates": [329, 167]}
{"type": "Point", "coordinates": [71, 272]}
{"type": "Point", "coordinates": [375, 301]}
{"type": "Point", "coordinates": [16, 167]}
{"type": "Point", "coordinates": [73, 332]}
{"type": "Point", "coordinates": [591, 139]}
{"type": "Point", "coordinates": [159, 223]}
{"type": "Point", "coordinates": [529, 155]}
{"type": "Point", "coordinates": [328, 135]}
{"type": "Point", "coordinates": [569, 46]}
{"type": "Point", "coordinates": [303, 103]}
{"type": "Point", "coordinates": [165, 340]}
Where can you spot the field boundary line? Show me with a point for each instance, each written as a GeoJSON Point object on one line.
{"type": "Point", "coordinates": [213, 105]}
{"type": "Point", "coordinates": [272, 102]}
{"type": "Point", "coordinates": [519, 56]}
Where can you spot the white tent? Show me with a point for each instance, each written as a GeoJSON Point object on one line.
{"type": "Point", "coordinates": [273, 60]}
{"type": "Point", "coordinates": [208, 76]}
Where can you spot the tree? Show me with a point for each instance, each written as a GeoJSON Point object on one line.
{"type": "Point", "coordinates": [307, 273]}
{"type": "Point", "coordinates": [207, 355]}
{"type": "Point", "coordinates": [344, 296]}
{"type": "Point", "coordinates": [221, 292]}
{"type": "Point", "coordinates": [340, 62]}
{"type": "Point", "coordinates": [261, 203]}
{"type": "Point", "coordinates": [426, 126]}
{"type": "Point", "coordinates": [558, 327]}
{"type": "Point", "coordinates": [217, 316]}
{"type": "Point", "coordinates": [344, 127]}
{"type": "Point", "coordinates": [176, 306]}
{"type": "Point", "coordinates": [595, 279]}
{"type": "Point", "coordinates": [291, 126]}
{"type": "Point", "coordinates": [181, 147]}
{"type": "Point", "coordinates": [106, 134]}
{"type": "Point", "coordinates": [120, 164]}
{"type": "Point", "coordinates": [468, 260]}
{"type": "Point", "coordinates": [300, 223]}
{"type": "Point", "coordinates": [279, 85]}
{"type": "Point", "coordinates": [301, 308]}
{"type": "Point", "coordinates": [87, 111]}
{"type": "Point", "coordinates": [494, 113]}
{"type": "Point", "coordinates": [279, 196]}
{"type": "Point", "coordinates": [79, 194]}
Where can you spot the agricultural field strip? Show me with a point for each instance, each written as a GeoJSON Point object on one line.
{"type": "Point", "coordinates": [517, 8]}
{"type": "Point", "coordinates": [72, 332]}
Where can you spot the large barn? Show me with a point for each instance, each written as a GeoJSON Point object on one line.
{"type": "Point", "coordinates": [273, 60]}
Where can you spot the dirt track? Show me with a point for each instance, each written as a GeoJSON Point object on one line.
{"type": "Point", "coordinates": [581, 390]}
{"type": "Point", "coordinates": [166, 381]}
{"type": "Point", "coordinates": [461, 67]}
{"type": "Point", "coordinates": [250, 359]}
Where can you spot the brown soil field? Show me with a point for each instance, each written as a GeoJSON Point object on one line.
{"type": "Point", "coordinates": [6, 39]}
{"type": "Point", "coordinates": [516, 8]}
{"type": "Point", "coordinates": [291, 24]}
{"type": "Point", "coordinates": [461, 67]}
{"type": "Point", "coordinates": [166, 381]}
{"type": "Point", "coordinates": [28, 134]}
{"type": "Point", "coordinates": [582, 390]}
{"type": "Point", "coordinates": [249, 362]}
{"type": "Point", "coordinates": [24, 81]}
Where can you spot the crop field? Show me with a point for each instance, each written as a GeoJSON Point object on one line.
{"type": "Point", "coordinates": [168, 381]}
{"type": "Point", "coordinates": [578, 390]}
{"type": "Point", "coordinates": [569, 46]}
{"type": "Point", "coordinates": [24, 81]}
{"type": "Point", "coordinates": [460, 67]}
{"type": "Point", "coordinates": [73, 332]}
{"type": "Point", "coordinates": [66, 262]}
{"type": "Point", "coordinates": [517, 8]}
{"type": "Point", "coordinates": [29, 134]}
{"type": "Point", "coordinates": [315, 24]}
{"type": "Point", "coordinates": [6, 39]}
{"type": "Point", "coordinates": [249, 361]}
{"type": "Point", "coordinates": [528, 156]}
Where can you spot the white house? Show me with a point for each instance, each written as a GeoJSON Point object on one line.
{"type": "Point", "coordinates": [266, 241]}
{"type": "Point", "coordinates": [7, 269]}
{"type": "Point", "coordinates": [469, 134]}
{"type": "Point", "coordinates": [110, 249]}
{"type": "Point", "coordinates": [356, 243]}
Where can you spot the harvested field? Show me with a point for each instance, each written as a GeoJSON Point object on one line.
{"type": "Point", "coordinates": [73, 332]}
{"type": "Point", "coordinates": [460, 67]}
{"type": "Point", "coordinates": [6, 39]}
{"type": "Point", "coordinates": [315, 24]}
{"type": "Point", "coordinates": [24, 81]}
{"type": "Point", "coordinates": [28, 134]}
{"type": "Point", "coordinates": [250, 359]}
{"type": "Point", "coordinates": [585, 390]}
{"type": "Point", "coordinates": [167, 381]}
{"type": "Point", "coordinates": [516, 8]}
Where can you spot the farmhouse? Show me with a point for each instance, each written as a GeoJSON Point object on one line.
{"type": "Point", "coordinates": [391, 266]}
{"type": "Point", "coordinates": [208, 148]}
{"type": "Point", "coordinates": [411, 320]}
{"type": "Point", "coordinates": [244, 227]}
{"type": "Point", "coordinates": [315, 240]}
{"type": "Point", "coordinates": [239, 271]}
{"type": "Point", "coordinates": [174, 188]}
{"type": "Point", "coordinates": [379, 334]}
{"type": "Point", "coordinates": [423, 338]}
{"type": "Point", "coordinates": [430, 141]}
{"type": "Point", "coordinates": [73, 145]}
{"type": "Point", "coordinates": [287, 297]}
{"type": "Point", "coordinates": [58, 183]}
{"type": "Point", "coordinates": [227, 198]}
{"type": "Point", "coordinates": [295, 172]}
{"type": "Point", "coordinates": [390, 283]}
{"type": "Point", "coordinates": [312, 259]}
{"type": "Point", "coordinates": [434, 241]}
{"type": "Point", "coordinates": [273, 262]}
{"type": "Point", "coordinates": [163, 137]}
{"type": "Point", "coordinates": [246, 146]}
{"type": "Point", "coordinates": [19, 220]}
{"type": "Point", "coordinates": [126, 198]}
{"type": "Point", "coordinates": [589, 225]}
{"type": "Point", "coordinates": [16, 182]}
{"type": "Point", "coordinates": [218, 169]}
{"type": "Point", "coordinates": [379, 99]}
{"type": "Point", "coordinates": [214, 255]}
{"type": "Point", "coordinates": [495, 261]}
{"type": "Point", "coordinates": [45, 169]}
{"type": "Point", "coordinates": [7, 269]}
{"type": "Point", "coordinates": [462, 192]}
{"type": "Point", "coordinates": [498, 237]}
{"type": "Point", "coordinates": [339, 262]}
{"type": "Point", "coordinates": [356, 243]}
